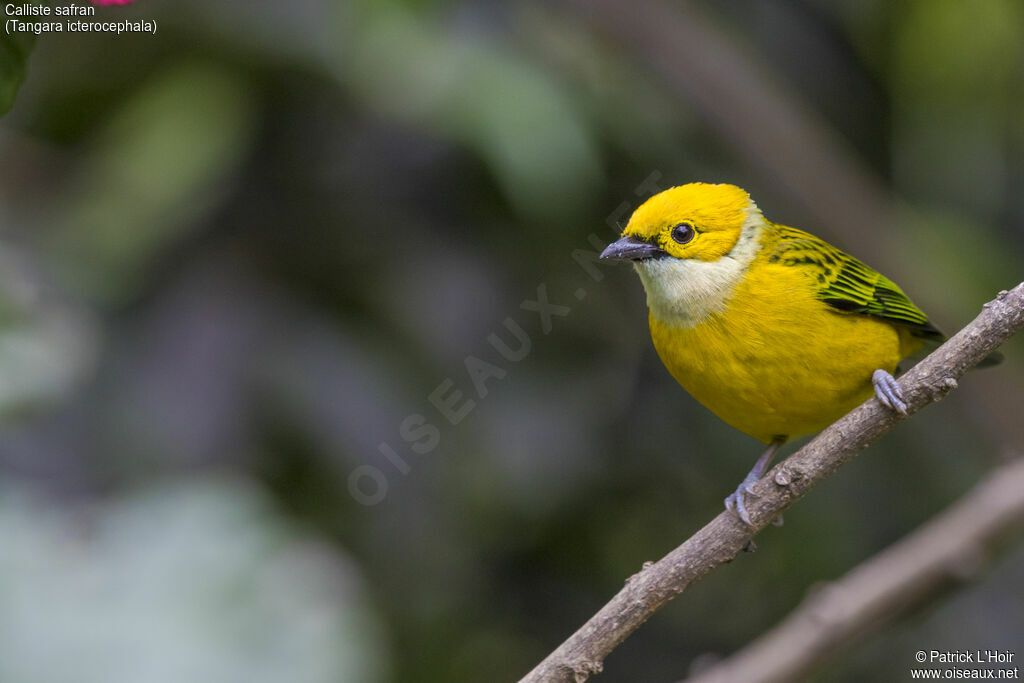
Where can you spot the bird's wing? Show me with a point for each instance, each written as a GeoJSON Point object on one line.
{"type": "Point", "coordinates": [849, 285]}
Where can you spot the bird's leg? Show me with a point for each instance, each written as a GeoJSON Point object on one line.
{"type": "Point", "coordinates": [888, 391]}
{"type": "Point", "coordinates": [735, 499]}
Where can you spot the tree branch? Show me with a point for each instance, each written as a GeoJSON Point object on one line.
{"type": "Point", "coordinates": [725, 536]}
{"type": "Point", "coordinates": [948, 549]}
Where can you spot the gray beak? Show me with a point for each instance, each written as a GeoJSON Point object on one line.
{"type": "Point", "coordinates": [632, 249]}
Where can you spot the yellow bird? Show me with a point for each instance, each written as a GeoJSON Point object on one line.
{"type": "Point", "coordinates": [774, 330]}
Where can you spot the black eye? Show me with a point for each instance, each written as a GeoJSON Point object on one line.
{"type": "Point", "coordinates": [683, 233]}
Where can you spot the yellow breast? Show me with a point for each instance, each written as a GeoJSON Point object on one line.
{"type": "Point", "coordinates": [775, 360]}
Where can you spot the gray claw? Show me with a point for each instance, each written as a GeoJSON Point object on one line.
{"type": "Point", "coordinates": [735, 502]}
{"type": "Point", "coordinates": [888, 391]}
{"type": "Point", "coordinates": [735, 499]}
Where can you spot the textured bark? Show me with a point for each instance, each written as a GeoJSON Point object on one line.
{"type": "Point", "coordinates": [951, 548]}
{"type": "Point", "coordinates": [725, 536]}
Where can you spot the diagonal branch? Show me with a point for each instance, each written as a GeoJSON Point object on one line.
{"type": "Point", "coordinates": [950, 548]}
{"type": "Point", "coordinates": [725, 536]}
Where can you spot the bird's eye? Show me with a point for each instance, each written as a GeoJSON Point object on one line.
{"type": "Point", "coordinates": [683, 233]}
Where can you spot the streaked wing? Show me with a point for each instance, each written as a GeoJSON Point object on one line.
{"type": "Point", "coordinates": [847, 284]}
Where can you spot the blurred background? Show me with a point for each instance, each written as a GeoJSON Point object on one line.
{"type": "Point", "coordinates": [242, 254]}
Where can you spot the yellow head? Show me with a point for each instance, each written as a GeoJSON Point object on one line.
{"type": "Point", "coordinates": [691, 245]}
{"type": "Point", "coordinates": [712, 217]}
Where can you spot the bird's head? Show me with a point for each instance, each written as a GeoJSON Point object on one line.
{"type": "Point", "coordinates": [690, 245]}
{"type": "Point", "coordinates": [695, 221]}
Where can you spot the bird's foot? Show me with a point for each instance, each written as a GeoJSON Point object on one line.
{"type": "Point", "coordinates": [888, 391]}
{"type": "Point", "coordinates": [734, 501]}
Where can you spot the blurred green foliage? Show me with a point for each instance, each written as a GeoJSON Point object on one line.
{"type": "Point", "coordinates": [252, 245]}
{"type": "Point", "coordinates": [230, 591]}
{"type": "Point", "coordinates": [139, 151]}
{"type": "Point", "coordinates": [14, 51]}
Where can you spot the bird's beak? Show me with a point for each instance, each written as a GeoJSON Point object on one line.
{"type": "Point", "coordinates": [632, 249]}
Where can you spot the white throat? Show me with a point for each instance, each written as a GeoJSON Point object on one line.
{"type": "Point", "coordinates": [684, 292]}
